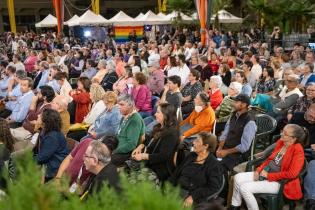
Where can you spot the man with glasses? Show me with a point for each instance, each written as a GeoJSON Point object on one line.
{"type": "Point", "coordinates": [286, 98]}
{"type": "Point", "coordinates": [306, 120]}
{"type": "Point", "coordinates": [97, 160]}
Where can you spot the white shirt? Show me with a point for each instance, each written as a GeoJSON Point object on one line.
{"type": "Point", "coordinates": [181, 72]}
{"type": "Point", "coordinates": [65, 90]}
{"type": "Point", "coordinates": [96, 110]}
{"type": "Point", "coordinates": [256, 70]}
{"type": "Point", "coordinates": [18, 66]}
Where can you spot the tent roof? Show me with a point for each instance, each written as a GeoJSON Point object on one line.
{"type": "Point", "coordinates": [174, 15]}
{"type": "Point", "coordinates": [49, 21]}
{"type": "Point", "coordinates": [162, 15]}
{"type": "Point", "coordinates": [122, 19]}
{"type": "Point", "coordinates": [71, 20]}
{"type": "Point", "coordinates": [226, 17]}
{"type": "Point", "coordinates": [89, 18]}
{"type": "Point", "coordinates": [152, 19]}
{"type": "Point", "coordinates": [139, 16]}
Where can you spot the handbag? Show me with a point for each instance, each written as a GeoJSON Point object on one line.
{"type": "Point", "coordinates": [138, 173]}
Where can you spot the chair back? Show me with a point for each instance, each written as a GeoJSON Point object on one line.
{"type": "Point", "coordinates": [266, 125]}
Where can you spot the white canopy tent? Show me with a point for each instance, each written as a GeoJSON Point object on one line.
{"type": "Point", "coordinates": [161, 15]}
{"type": "Point", "coordinates": [122, 19]}
{"type": "Point", "coordinates": [139, 16]}
{"type": "Point", "coordinates": [89, 18]}
{"type": "Point", "coordinates": [152, 19]}
{"type": "Point", "coordinates": [72, 20]}
{"type": "Point", "coordinates": [47, 22]}
{"type": "Point", "coordinates": [226, 17]}
{"type": "Point", "coordinates": [175, 14]}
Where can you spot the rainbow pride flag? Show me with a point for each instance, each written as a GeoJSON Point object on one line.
{"type": "Point", "coordinates": [122, 33]}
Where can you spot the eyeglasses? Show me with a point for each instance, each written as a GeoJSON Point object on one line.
{"type": "Point", "coordinates": [310, 90]}
{"type": "Point", "coordinates": [87, 156]}
{"type": "Point", "coordinates": [284, 134]}
{"type": "Point", "coordinates": [291, 81]}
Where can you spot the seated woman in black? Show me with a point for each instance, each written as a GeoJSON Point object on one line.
{"type": "Point", "coordinates": [160, 149]}
{"type": "Point", "coordinates": [200, 173]}
{"type": "Point", "coordinates": [6, 148]}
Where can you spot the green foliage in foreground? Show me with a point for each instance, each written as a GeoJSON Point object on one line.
{"type": "Point", "coordinates": [27, 192]}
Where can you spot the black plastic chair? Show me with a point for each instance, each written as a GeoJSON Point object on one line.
{"type": "Point", "coordinates": [275, 201]}
{"type": "Point", "coordinates": [266, 125]}
{"type": "Point", "coordinates": [216, 195]}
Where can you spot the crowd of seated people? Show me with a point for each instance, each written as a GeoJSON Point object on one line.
{"type": "Point", "coordinates": [186, 111]}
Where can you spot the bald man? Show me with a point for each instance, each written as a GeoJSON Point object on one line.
{"type": "Point", "coordinates": [60, 104]}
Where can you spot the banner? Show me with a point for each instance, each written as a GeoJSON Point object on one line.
{"type": "Point", "coordinates": [204, 12]}
{"type": "Point", "coordinates": [59, 10]}
{"type": "Point", "coordinates": [10, 4]}
{"type": "Point", "coordinates": [122, 33]}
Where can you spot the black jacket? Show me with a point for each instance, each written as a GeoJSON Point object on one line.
{"type": "Point", "coordinates": [108, 81]}
{"type": "Point", "coordinates": [108, 174]}
{"type": "Point", "coordinates": [161, 153]}
{"type": "Point", "coordinates": [202, 183]}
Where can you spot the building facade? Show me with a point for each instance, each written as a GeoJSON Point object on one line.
{"type": "Point", "coordinates": [29, 12]}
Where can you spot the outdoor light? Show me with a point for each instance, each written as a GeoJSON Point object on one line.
{"type": "Point", "coordinates": [87, 33]}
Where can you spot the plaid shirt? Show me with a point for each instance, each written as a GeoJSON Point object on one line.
{"type": "Point", "coordinates": [301, 105]}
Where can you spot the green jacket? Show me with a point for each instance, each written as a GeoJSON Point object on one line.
{"type": "Point", "coordinates": [224, 111]}
{"type": "Point", "coordinates": [129, 133]}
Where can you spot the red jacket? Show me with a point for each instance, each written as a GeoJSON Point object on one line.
{"type": "Point", "coordinates": [83, 102]}
{"type": "Point", "coordinates": [215, 98]}
{"type": "Point", "coordinates": [292, 164]}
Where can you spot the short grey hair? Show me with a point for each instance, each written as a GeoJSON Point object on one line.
{"type": "Point", "coordinates": [102, 63]}
{"type": "Point", "coordinates": [20, 74]}
{"type": "Point", "coordinates": [101, 152]}
{"type": "Point", "coordinates": [111, 65]}
{"type": "Point", "coordinates": [44, 64]}
{"type": "Point", "coordinates": [217, 80]}
{"type": "Point", "coordinates": [295, 77]}
{"type": "Point", "coordinates": [126, 98]}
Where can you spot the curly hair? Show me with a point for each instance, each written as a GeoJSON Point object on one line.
{"type": "Point", "coordinates": [5, 135]}
{"type": "Point", "coordinates": [51, 121]}
{"type": "Point", "coordinates": [97, 92]}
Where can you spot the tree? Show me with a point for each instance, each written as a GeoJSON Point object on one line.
{"type": "Point", "coordinates": [292, 13]}
{"type": "Point", "coordinates": [185, 6]}
{"type": "Point", "coordinates": [218, 5]}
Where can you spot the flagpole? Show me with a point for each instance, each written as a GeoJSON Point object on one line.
{"type": "Point", "coordinates": [203, 21]}
{"type": "Point", "coordinates": [10, 4]}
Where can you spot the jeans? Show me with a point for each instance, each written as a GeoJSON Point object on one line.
{"type": "Point", "coordinates": [309, 181]}
{"type": "Point", "coordinates": [185, 128]}
{"type": "Point", "coordinates": [145, 114]}
{"type": "Point", "coordinates": [149, 122]}
{"type": "Point", "coordinates": [245, 187]}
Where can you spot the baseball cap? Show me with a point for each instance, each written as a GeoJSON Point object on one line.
{"type": "Point", "coordinates": [242, 98]}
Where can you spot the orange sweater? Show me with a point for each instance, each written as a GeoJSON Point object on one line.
{"type": "Point", "coordinates": [202, 121]}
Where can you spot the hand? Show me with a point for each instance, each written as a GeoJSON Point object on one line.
{"type": "Point", "coordinates": [137, 157]}
{"type": "Point", "coordinates": [256, 176]}
{"type": "Point", "coordinates": [182, 138]}
{"type": "Point", "coordinates": [166, 87]}
{"type": "Point", "coordinates": [264, 173]}
{"type": "Point", "coordinates": [289, 116]}
{"type": "Point", "coordinates": [72, 65]}
{"type": "Point", "coordinates": [222, 153]}
{"type": "Point", "coordinates": [138, 150]}
{"type": "Point", "coordinates": [93, 134]}
{"type": "Point", "coordinates": [313, 146]}
{"type": "Point", "coordinates": [188, 201]}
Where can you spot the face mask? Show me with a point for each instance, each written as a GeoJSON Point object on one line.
{"type": "Point", "coordinates": [198, 109]}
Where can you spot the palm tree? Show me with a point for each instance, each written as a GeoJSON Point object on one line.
{"type": "Point", "coordinates": [261, 7]}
